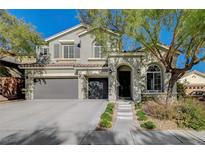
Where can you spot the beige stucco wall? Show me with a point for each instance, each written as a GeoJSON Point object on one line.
{"type": "Point", "coordinates": [86, 48]}
{"type": "Point", "coordinates": [193, 79]}
{"type": "Point", "coordinates": [132, 61]}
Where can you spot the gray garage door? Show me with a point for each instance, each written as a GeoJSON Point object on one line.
{"type": "Point", "coordinates": [56, 89]}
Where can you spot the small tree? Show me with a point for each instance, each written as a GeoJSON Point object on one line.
{"type": "Point", "coordinates": [186, 29]}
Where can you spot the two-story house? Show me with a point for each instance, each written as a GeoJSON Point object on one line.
{"type": "Point", "coordinates": [79, 70]}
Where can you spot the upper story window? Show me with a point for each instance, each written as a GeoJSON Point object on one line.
{"type": "Point", "coordinates": [154, 79]}
{"type": "Point", "coordinates": [97, 50]}
{"type": "Point", "coordinates": [45, 51]}
{"type": "Point", "coordinates": [65, 50]}
{"type": "Point", "coordinates": [68, 51]}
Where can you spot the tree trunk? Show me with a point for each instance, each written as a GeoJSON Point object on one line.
{"type": "Point", "coordinates": [172, 82]}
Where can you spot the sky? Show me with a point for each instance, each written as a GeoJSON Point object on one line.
{"type": "Point", "coordinates": [48, 22]}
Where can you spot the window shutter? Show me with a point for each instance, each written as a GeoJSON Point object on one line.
{"type": "Point", "coordinates": [77, 52]}
{"type": "Point", "coordinates": [71, 51]}
{"type": "Point", "coordinates": [56, 51]}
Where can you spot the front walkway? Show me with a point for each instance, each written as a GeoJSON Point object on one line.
{"type": "Point", "coordinates": [125, 116]}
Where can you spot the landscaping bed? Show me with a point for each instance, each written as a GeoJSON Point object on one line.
{"type": "Point", "coordinates": [106, 119]}
{"type": "Point", "coordinates": [142, 117]}
{"type": "Point", "coordinates": [183, 114]}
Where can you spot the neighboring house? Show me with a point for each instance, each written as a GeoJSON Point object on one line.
{"type": "Point", "coordinates": [193, 81]}
{"type": "Point", "coordinates": [79, 70]}
{"type": "Point", "coordinates": [11, 82]}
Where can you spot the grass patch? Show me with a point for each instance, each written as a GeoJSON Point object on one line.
{"type": "Point", "coordinates": [141, 115]}
{"type": "Point", "coordinates": [106, 117]}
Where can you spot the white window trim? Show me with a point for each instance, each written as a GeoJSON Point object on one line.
{"type": "Point", "coordinates": [62, 50]}
{"type": "Point", "coordinates": [155, 91]}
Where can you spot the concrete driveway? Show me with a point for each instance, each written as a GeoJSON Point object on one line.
{"type": "Point", "coordinates": [48, 121]}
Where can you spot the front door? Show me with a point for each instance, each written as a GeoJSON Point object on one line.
{"type": "Point", "coordinates": [124, 81]}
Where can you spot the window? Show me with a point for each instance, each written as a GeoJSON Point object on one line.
{"type": "Point", "coordinates": [68, 51]}
{"type": "Point", "coordinates": [97, 50]}
{"type": "Point", "coordinates": [56, 51]}
{"type": "Point", "coordinates": [154, 81]}
{"type": "Point", "coordinates": [45, 51]}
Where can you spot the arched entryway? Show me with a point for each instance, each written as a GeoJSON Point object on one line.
{"type": "Point", "coordinates": [124, 79]}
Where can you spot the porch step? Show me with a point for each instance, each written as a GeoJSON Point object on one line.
{"type": "Point", "coordinates": [124, 113]}
{"type": "Point", "coordinates": [125, 118]}
{"type": "Point", "coordinates": [124, 102]}
{"type": "Point", "coordinates": [124, 110]}
{"type": "Point", "coordinates": [128, 105]}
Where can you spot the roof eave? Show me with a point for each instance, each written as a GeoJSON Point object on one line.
{"type": "Point", "coordinates": [64, 32]}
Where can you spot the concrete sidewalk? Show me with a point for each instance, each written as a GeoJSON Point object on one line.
{"type": "Point", "coordinates": [141, 137]}
{"type": "Point", "coordinates": [138, 137]}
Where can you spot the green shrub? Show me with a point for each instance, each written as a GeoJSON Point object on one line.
{"type": "Point", "coordinates": [105, 124]}
{"type": "Point", "coordinates": [141, 116]}
{"type": "Point", "coordinates": [148, 125]}
{"type": "Point", "coordinates": [110, 108]}
{"type": "Point", "coordinates": [138, 106]}
{"type": "Point", "coordinates": [141, 113]}
{"type": "Point", "coordinates": [111, 105]}
{"type": "Point", "coordinates": [191, 115]}
{"type": "Point", "coordinates": [106, 116]}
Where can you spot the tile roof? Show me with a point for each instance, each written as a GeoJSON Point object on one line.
{"type": "Point", "coordinates": [62, 65]}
